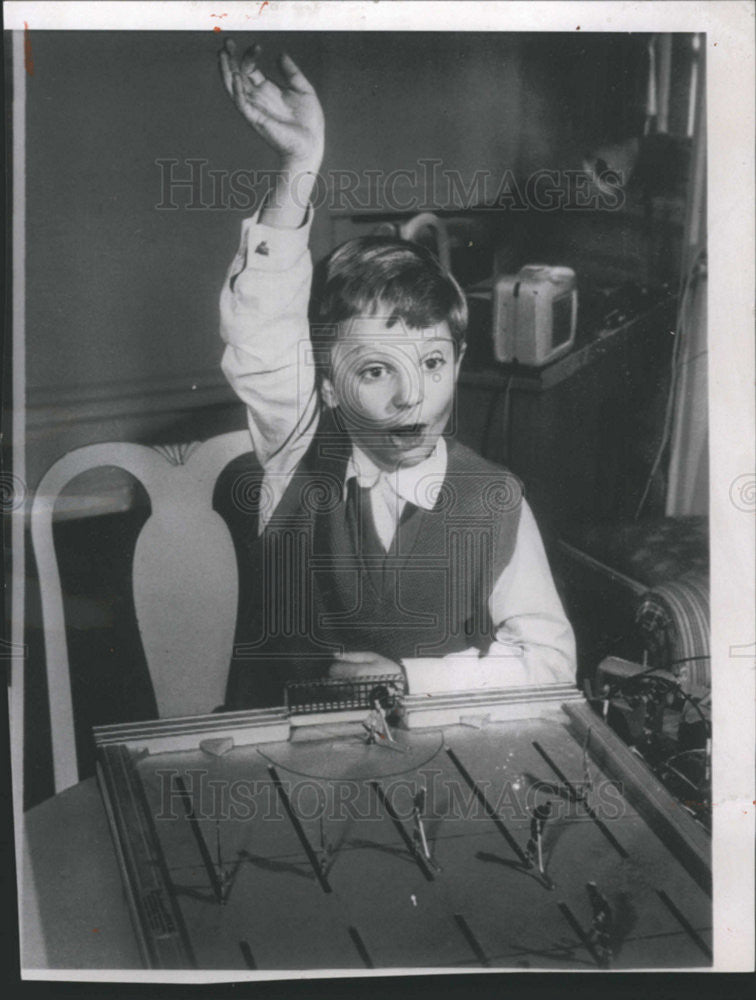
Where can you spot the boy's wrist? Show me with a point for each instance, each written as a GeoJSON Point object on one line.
{"type": "Point", "coordinates": [301, 165]}
{"type": "Point", "coordinates": [287, 201]}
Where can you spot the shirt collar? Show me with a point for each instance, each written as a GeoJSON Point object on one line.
{"type": "Point", "coordinates": [417, 484]}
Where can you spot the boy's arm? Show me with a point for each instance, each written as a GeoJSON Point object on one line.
{"type": "Point", "coordinates": [531, 623]}
{"type": "Point", "coordinates": [534, 642]}
{"type": "Point", "coordinates": [263, 321]}
{"type": "Point", "coordinates": [265, 297]}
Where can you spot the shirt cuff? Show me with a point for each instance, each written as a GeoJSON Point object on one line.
{"type": "Point", "coordinates": [268, 248]}
{"type": "Point", "coordinates": [466, 671]}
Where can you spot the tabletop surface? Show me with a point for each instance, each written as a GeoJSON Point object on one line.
{"type": "Point", "coordinates": [76, 916]}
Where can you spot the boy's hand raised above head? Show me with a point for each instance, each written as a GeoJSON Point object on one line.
{"type": "Point", "coordinates": [288, 118]}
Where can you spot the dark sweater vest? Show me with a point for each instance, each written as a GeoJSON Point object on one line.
{"type": "Point", "coordinates": [318, 581]}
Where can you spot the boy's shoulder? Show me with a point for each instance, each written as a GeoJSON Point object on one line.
{"type": "Point", "coordinates": [476, 481]}
{"type": "Point", "coordinates": [463, 459]}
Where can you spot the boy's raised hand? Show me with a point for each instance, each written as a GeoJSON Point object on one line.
{"type": "Point", "coordinates": [288, 118]}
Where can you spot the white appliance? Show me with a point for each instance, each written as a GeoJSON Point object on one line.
{"type": "Point", "coordinates": [534, 314]}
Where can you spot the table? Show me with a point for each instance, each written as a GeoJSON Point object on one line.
{"type": "Point", "coordinates": [304, 847]}
{"type": "Point", "coordinates": [74, 913]}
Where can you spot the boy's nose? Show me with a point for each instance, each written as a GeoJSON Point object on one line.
{"type": "Point", "coordinates": [408, 391]}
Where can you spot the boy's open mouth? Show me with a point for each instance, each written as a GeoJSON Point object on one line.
{"type": "Point", "coordinates": [407, 435]}
{"type": "Point", "coordinates": [407, 430]}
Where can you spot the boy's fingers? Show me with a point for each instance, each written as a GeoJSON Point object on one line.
{"type": "Point", "coordinates": [253, 114]}
{"type": "Point", "coordinates": [249, 65]}
{"type": "Point", "coordinates": [229, 52]}
{"type": "Point", "coordinates": [355, 657]}
{"type": "Point", "coordinates": [256, 76]}
{"type": "Point", "coordinates": [226, 73]}
{"type": "Point", "coordinates": [250, 57]}
{"type": "Point", "coordinates": [295, 78]}
{"type": "Point", "coordinates": [238, 90]}
{"type": "Point", "coordinates": [344, 672]}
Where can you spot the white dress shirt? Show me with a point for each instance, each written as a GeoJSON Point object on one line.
{"type": "Point", "coordinates": [268, 361]}
{"type": "Point", "coordinates": [391, 491]}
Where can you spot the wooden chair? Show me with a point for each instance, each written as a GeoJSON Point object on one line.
{"type": "Point", "coordinates": [185, 579]}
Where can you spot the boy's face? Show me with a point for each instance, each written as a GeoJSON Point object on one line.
{"type": "Point", "coordinates": [394, 387]}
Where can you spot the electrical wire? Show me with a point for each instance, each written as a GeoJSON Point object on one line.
{"type": "Point", "coordinates": [681, 776]}
{"type": "Point", "coordinates": [688, 659]}
{"type": "Point", "coordinates": [686, 283]}
{"type": "Point", "coordinates": [671, 685]}
{"type": "Point", "coordinates": [506, 430]}
{"type": "Point", "coordinates": [685, 753]}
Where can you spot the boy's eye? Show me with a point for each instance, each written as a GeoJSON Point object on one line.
{"type": "Point", "coordinates": [373, 372]}
{"type": "Point", "coordinates": [434, 362]}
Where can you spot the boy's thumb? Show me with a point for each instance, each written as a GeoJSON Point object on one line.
{"type": "Point", "coordinates": [294, 75]}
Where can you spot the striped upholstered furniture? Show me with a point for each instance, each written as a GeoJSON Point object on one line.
{"type": "Point", "coordinates": [640, 590]}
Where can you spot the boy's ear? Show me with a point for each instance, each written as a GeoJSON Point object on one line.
{"type": "Point", "coordinates": [328, 393]}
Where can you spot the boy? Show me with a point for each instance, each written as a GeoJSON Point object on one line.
{"type": "Point", "coordinates": [378, 550]}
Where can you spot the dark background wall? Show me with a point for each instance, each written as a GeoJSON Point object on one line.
{"type": "Point", "coordinates": [122, 295]}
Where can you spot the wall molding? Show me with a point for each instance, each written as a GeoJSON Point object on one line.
{"type": "Point", "coordinates": [59, 418]}
{"type": "Point", "coordinates": [56, 406]}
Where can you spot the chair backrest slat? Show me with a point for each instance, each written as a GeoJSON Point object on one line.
{"type": "Point", "coordinates": [185, 579]}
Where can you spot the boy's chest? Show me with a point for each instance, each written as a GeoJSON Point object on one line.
{"type": "Point", "coordinates": [320, 574]}
{"type": "Point", "coordinates": [435, 559]}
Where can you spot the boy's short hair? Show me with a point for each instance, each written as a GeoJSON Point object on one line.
{"type": "Point", "coordinates": [372, 274]}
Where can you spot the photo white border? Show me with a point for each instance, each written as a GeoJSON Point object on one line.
{"type": "Point", "coordinates": [729, 28]}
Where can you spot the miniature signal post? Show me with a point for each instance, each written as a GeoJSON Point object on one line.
{"type": "Point", "coordinates": [600, 934]}
{"type": "Point", "coordinates": [376, 726]}
{"type": "Point", "coordinates": [535, 845]}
